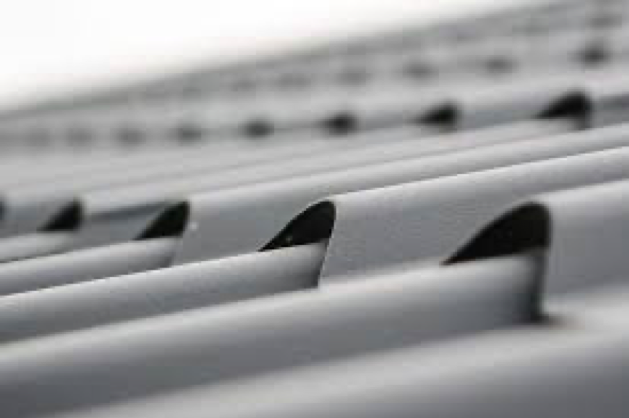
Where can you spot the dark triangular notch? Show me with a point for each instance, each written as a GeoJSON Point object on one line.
{"type": "Point", "coordinates": [170, 223]}
{"type": "Point", "coordinates": [523, 229]}
{"type": "Point", "coordinates": [313, 225]}
{"type": "Point", "coordinates": [576, 106]}
{"type": "Point", "coordinates": [68, 219]}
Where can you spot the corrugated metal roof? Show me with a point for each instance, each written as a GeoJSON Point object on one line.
{"type": "Point", "coordinates": [434, 226]}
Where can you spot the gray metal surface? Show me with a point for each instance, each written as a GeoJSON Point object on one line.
{"type": "Point", "coordinates": [29, 204]}
{"type": "Point", "coordinates": [90, 264]}
{"type": "Point", "coordinates": [239, 340]}
{"type": "Point", "coordinates": [144, 199]}
{"type": "Point", "coordinates": [575, 334]}
{"type": "Point", "coordinates": [573, 367]}
{"type": "Point", "coordinates": [245, 217]}
{"type": "Point", "coordinates": [117, 299]}
{"type": "Point", "coordinates": [380, 211]}
{"type": "Point", "coordinates": [431, 224]}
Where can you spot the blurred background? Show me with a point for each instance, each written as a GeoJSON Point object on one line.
{"type": "Point", "coordinates": [52, 49]}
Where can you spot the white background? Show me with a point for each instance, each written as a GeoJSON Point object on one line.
{"type": "Point", "coordinates": [51, 47]}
